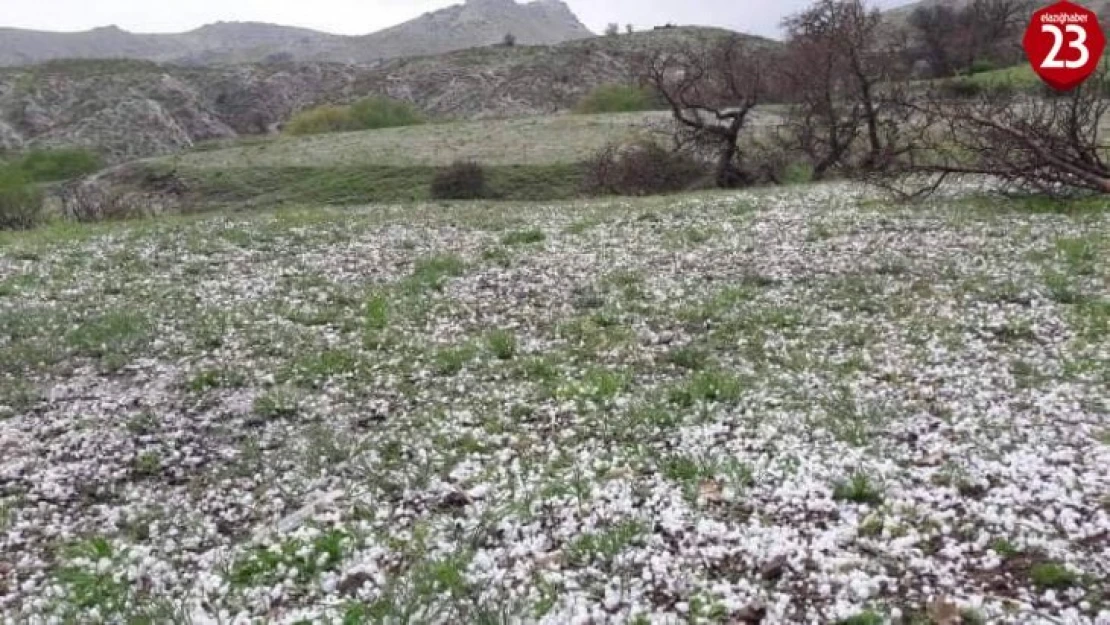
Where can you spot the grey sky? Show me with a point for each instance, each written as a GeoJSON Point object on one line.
{"type": "Point", "coordinates": [356, 17]}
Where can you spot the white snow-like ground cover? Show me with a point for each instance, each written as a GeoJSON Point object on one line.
{"type": "Point", "coordinates": [802, 405]}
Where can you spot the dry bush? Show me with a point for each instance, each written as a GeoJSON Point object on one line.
{"type": "Point", "coordinates": [642, 168]}
{"type": "Point", "coordinates": [462, 180]}
{"type": "Point", "coordinates": [1019, 142]}
{"type": "Point", "coordinates": [85, 201]}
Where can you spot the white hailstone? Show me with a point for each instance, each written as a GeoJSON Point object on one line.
{"type": "Point", "coordinates": [612, 599]}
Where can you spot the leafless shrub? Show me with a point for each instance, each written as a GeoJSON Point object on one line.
{"type": "Point", "coordinates": [462, 180]}
{"type": "Point", "coordinates": [643, 168]}
{"type": "Point", "coordinates": [1020, 142]}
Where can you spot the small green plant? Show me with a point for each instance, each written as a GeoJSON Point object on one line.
{"type": "Point", "coordinates": [1052, 575]}
{"type": "Point", "coordinates": [110, 337]}
{"type": "Point", "coordinates": [208, 379]}
{"type": "Point", "coordinates": [377, 312]}
{"type": "Point", "coordinates": [524, 237]}
{"type": "Point", "coordinates": [462, 180]}
{"type": "Point", "coordinates": [20, 201]}
{"type": "Point", "coordinates": [307, 559]}
{"type": "Point", "coordinates": [604, 545]}
{"type": "Point", "coordinates": [617, 99]}
{"type": "Point", "coordinates": [1004, 548]}
{"type": "Point", "coordinates": [451, 361]}
{"type": "Point", "coordinates": [871, 527]}
{"type": "Point", "coordinates": [503, 344]}
{"type": "Point", "coordinates": [706, 387]}
{"type": "Point", "coordinates": [867, 617]}
{"type": "Point", "coordinates": [144, 423]}
{"type": "Point", "coordinates": [683, 469]}
{"type": "Point", "coordinates": [278, 403]}
{"type": "Point", "coordinates": [147, 464]}
{"type": "Point", "coordinates": [88, 586]}
{"type": "Point", "coordinates": [432, 272]}
{"type": "Point", "coordinates": [314, 367]}
{"type": "Point", "coordinates": [690, 358]}
{"type": "Point", "coordinates": [858, 489]}
{"type": "Point", "coordinates": [597, 384]}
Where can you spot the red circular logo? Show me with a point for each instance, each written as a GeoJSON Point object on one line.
{"type": "Point", "coordinates": [1064, 42]}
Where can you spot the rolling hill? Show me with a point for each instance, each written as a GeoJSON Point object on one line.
{"type": "Point", "coordinates": [131, 109]}
{"type": "Point", "coordinates": [472, 24]}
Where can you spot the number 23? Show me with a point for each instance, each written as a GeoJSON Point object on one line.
{"type": "Point", "coordinates": [1079, 43]}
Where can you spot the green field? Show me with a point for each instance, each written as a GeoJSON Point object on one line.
{"type": "Point", "coordinates": [518, 141]}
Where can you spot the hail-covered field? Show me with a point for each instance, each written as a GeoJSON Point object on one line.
{"type": "Point", "coordinates": [801, 405]}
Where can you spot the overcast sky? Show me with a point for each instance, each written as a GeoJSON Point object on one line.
{"type": "Point", "coordinates": [357, 17]}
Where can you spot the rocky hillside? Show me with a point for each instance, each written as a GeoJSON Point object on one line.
{"type": "Point", "coordinates": [131, 109]}
{"type": "Point", "coordinates": [472, 24]}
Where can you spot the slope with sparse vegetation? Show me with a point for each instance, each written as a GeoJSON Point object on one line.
{"type": "Point", "coordinates": [805, 404]}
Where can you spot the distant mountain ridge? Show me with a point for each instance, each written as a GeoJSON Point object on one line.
{"type": "Point", "coordinates": [474, 23]}
{"type": "Point", "coordinates": [127, 109]}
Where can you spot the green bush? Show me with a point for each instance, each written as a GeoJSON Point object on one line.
{"type": "Point", "coordinates": [367, 114]}
{"type": "Point", "coordinates": [617, 99]}
{"type": "Point", "coordinates": [327, 118]}
{"type": "Point", "coordinates": [378, 112]}
{"type": "Point", "coordinates": [63, 164]}
{"type": "Point", "coordinates": [463, 180]}
{"type": "Point", "coordinates": [20, 200]}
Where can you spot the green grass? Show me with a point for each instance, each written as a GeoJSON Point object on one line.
{"type": "Point", "coordinates": [617, 99]}
{"type": "Point", "coordinates": [524, 237]}
{"type": "Point", "coordinates": [307, 560]}
{"type": "Point", "coordinates": [1052, 575]}
{"type": "Point", "coordinates": [858, 489]}
{"type": "Point", "coordinates": [543, 140]}
{"type": "Point", "coordinates": [111, 337]}
{"type": "Point", "coordinates": [503, 344]}
{"type": "Point", "coordinates": [364, 184]}
{"type": "Point", "coordinates": [216, 378]}
{"type": "Point", "coordinates": [21, 202]}
{"type": "Point", "coordinates": [451, 361]}
{"type": "Point", "coordinates": [278, 403]}
{"type": "Point", "coordinates": [706, 387]}
{"type": "Point", "coordinates": [867, 617]}
{"type": "Point", "coordinates": [603, 545]}
{"type": "Point", "coordinates": [432, 272]}
{"type": "Point", "coordinates": [53, 165]}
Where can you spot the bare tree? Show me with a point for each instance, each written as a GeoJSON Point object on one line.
{"type": "Point", "coordinates": [613, 29]}
{"type": "Point", "coordinates": [848, 31]}
{"type": "Point", "coordinates": [951, 40]}
{"type": "Point", "coordinates": [711, 90]}
{"type": "Point", "coordinates": [1047, 145]}
{"type": "Point", "coordinates": [936, 28]}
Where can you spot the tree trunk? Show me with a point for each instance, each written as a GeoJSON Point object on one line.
{"type": "Point", "coordinates": [726, 172]}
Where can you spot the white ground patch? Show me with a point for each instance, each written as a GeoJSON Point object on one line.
{"type": "Point", "coordinates": [777, 406]}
